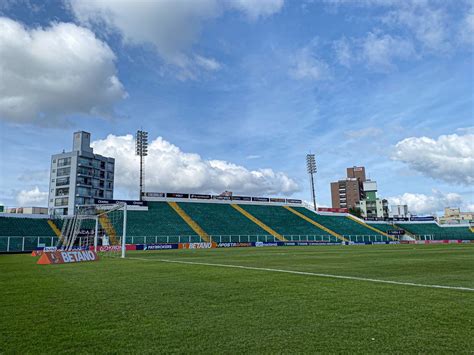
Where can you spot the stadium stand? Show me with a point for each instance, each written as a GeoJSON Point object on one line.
{"type": "Point", "coordinates": [19, 234]}
{"type": "Point", "coordinates": [223, 222]}
{"type": "Point", "coordinates": [288, 224]}
{"type": "Point", "coordinates": [166, 222]}
{"type": "Point", "coordinates": [434, 231]}
{"type": "Point", "coordinates": [28, 227]}
{"type": "Point", "coordinates": [160, 221]}
{"type": "Point", "coordinates": [344, 226]}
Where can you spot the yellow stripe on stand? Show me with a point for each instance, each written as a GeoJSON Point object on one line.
{"type": "Point", "coordinates": [320, 226]}
{"type": "Point", "coordinates": [370, 227]}
{"type": "Point", "coordinates": [194, 226]}
{"type": "Point", "coordinates": [54, 227]}
{"type": "Point", "coordinates": [259, 222]}
{"type": "Point", "coordinates": [109, 228]}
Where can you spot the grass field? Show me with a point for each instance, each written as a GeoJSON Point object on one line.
{"type": "Point", "coordinates": [146, 304]}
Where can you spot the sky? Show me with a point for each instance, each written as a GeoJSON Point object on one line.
{"type": "Point", "coordinates": [235, 93]}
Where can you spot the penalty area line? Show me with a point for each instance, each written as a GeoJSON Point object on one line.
{"type": "Point", "coordinates": [306, 273]}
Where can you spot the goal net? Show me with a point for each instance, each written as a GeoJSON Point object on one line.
{"type": "Point", "coordinates": [101, 228]}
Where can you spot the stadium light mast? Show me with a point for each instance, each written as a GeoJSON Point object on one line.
{"type": "Point", "coordinates": [311, 167]}
{"type": "Point", "coordinates": [142, 152]}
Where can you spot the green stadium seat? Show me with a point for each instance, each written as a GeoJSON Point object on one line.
{"type": "Point", "coordinates": [432, 230]}
{"type": "Point", "coordinates": [344, 226]}
{"type": "Point", "coordinates": [288, 224]}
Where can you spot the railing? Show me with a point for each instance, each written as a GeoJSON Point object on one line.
{"type": "Point", "coordinates": [14, 244]}
{"type": "Point", "coordinates": [24, 244]}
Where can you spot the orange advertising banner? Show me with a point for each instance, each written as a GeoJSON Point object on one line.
{"type": "Point", "coordinates": [66, 257]}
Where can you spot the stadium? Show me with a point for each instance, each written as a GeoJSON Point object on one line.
{"type": "Point", "coordinates": [236, 177]}
{"type": "Point", "coordinates": [179, 272]}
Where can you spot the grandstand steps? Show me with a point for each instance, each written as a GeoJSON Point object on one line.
{"type": "Point", "coordinates": [54, 227]}
{"type": "Point", "coordinates": [191, 223]}
{"type": "Point", "coordinates": [109, 228]}
{"type": "Point", "coordinates": [258, 222]}
{"type": "Point", "coordinates": [371, 227]}
{"type": "Point", "coordinates": [320, 226]}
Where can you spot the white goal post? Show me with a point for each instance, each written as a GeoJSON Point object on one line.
{"type": "Point", "coordinates": [101, 226]}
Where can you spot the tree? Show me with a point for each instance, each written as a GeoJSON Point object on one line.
{"type": "Point", "coordinates": [355, 211]}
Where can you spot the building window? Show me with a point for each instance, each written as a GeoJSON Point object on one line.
{"type": "Point", "coordinates": [84, 161]}
{"type": "Point", "coordinates": [61, 201]}
{"type": "Point", "coordinates": [83, 191]}
{"type": "Point", "coordinates": [64, 161]}
{"type": "Point", "coordinates": [62, 181]}
{"type": "Point", "coordinates": [62, 191]}
{"type": "Point", "coordinates": [63, 171]}
{"type": "Point", "coordinates": [84, 171]}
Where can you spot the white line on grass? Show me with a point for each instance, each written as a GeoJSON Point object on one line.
{"type": "Point", "coordinates": [307, 274]}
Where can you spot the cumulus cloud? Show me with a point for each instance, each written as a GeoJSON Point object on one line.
{"type": "Point", "coordinates": [170, 169]}
{"type": "Point", "coordinates": [448, 158]}
{"type": "Point", "coordinates": [427, 204]}
{"type": "Point", "coordinates": [307, 65]}
{"type": "Point", "coordinates": [170, 26]}
{"type": "Point", "coordinates": [32, 198]}
{"type": "Point", "coordinates": [48, 73]}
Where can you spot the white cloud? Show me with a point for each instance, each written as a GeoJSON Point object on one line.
{"type": "Point", "coordinates": [34, 197]}
{"type": "Point", "coordinates": [257, 8]}
{"type": "Point", "coordinates": [466, 31]}
{"type": "Point", "coordinates": [343, 51]}
{"type": "Point", "coordinates": [427, 204]}
{"type": "Point", "coordinates": [376, 50]}
{"type": "Point", "coordinates": [449, 157]}
{"type": "Point", "coordinates": [253, 156]}
{"type": "Point", "coordinates": [209, 64]}
{"type": "Point", "coordinates": [170, 169]}
{"type": "Point", "coordinates": [364, 132]}
{"type": "Point", "coordinates": [170, 26]}
{"type": "Point", "coordinates": [379, 51]}
{"type": "Point", "coordinates": [307, 66]}
{"type": "Point", "coordinates": [48, 73]}
{"type": "Point", "coordinates": [427, 23]}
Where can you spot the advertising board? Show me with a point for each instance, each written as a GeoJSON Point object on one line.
{"type": "Point", "coordinates": [200, 197]}
{"type": "Point", "coordinates": [176, 195]}
{"type": "Point", "coordinates": [65, 257]}
{"type": "Point", "coordinates": [333, 210]}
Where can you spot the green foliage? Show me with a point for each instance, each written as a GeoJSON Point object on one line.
{"type": "Point", "coordinates": [355, 211]}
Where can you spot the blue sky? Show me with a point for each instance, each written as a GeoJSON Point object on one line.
{"type": "Point", "coordinates": [240, 91]}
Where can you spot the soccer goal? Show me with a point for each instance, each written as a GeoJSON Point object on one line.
{"type": "Point", "coordinates": [101, 227]}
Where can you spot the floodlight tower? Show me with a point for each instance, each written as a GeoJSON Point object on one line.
{"type": "Point", "coordinates": [142, 152]}
{"type": "Point", "coordinates": [311, 167]}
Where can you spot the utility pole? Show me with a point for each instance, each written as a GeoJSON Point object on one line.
{"type": "Point", "coordinates": [142, 152]}
{"type": "Point", "coordinates": [311, 167]}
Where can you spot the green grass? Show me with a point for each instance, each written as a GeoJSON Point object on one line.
{"type": "Point", "coordinates": [149, 306]}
